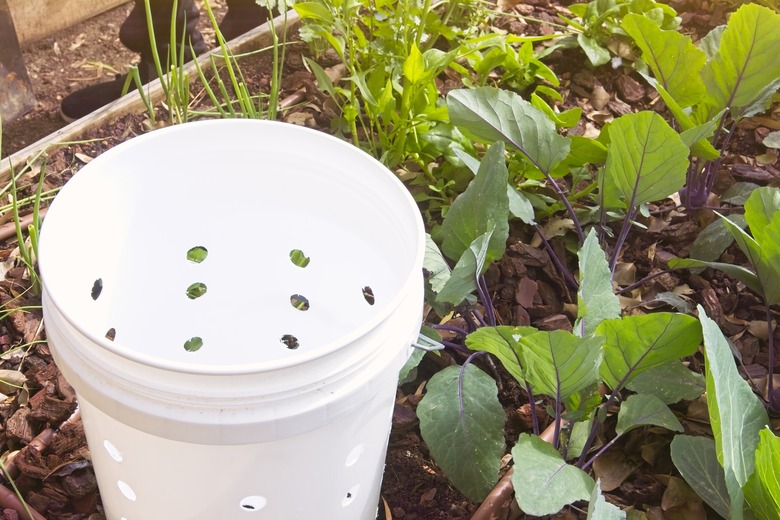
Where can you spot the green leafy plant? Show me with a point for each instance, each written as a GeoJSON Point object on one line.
{"type": "Point", "coordinates": [396, 54]}
{"type": "Point", "coordinates": [736, 472]}
{"type": "Point", "coordinates": [390, 104]}
{"type": "Point", "coordinates": [565, 369]}
{"type": "Point", "coordinates": [644, 159]}
{"type": "Point", "coordinates": [709, 89]}
{"type": "Point", "coordinates": [599, 31]}
{"type": "Point", "coordinates": [762, 249]}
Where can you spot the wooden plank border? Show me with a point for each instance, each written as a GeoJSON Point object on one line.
{"type": "Point", "coordinates": [36, 19]}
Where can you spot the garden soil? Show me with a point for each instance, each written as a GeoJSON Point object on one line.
{"type": "Point", "coordinates": [41, 439]}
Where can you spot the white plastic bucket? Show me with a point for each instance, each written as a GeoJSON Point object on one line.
{"type": "Point", "coordinates": [243, 386]}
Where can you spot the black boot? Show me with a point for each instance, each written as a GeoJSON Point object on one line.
{"type": "Point", "coordinates": [88, 99]}
{"type": "Point", "coordinates": [242, 16]}
{"type": "Point", "coordinates": [135, 35]}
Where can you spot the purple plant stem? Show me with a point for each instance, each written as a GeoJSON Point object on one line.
{"type": "Point", "coordinates": [532, 402]}
{"type": "Point", "coordinates": [557, 429]}
{"type": "Point", "coordinates": [569, 208]}
{"type": "Point", "coordinates": [487, 302]}
{"type": "Point", "coordinates": [630, 215]}
{"type": "Point", "coordinates": [557, 261]}
{"type": "Point", "coordinates": [642, 281]}
{"type": "Point", "coordinates": [450, 328]}
{"type": "Point", "coordinates": [598, 453]}
{"type": "Point", "coordinates": [480, 319]}
{"type": "Point", "coordinates": [456, 346]}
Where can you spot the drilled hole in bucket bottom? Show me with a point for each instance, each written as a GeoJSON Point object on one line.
{"type": "Point", "coordinates": [253, 503]}
{"type": "Point", "coordinates": [97, 288]}
{"type": "Point", "coordinates": [368, 294]}
{"type": "Point", "coordinates": [193, 344]}
{"type": "Point", "coordinates": [196, 290]}
{"type": "Point", "coordinates": [299, 258]}
{"type": "Point", "coordinates": [350, 495]}
{"type": "Point", "coordinates": [111, 334]}
{"type": "Point", "coordinates": [291, 341]}
{"type": "Point", "coordinates": [197, 254]}
{"type": "Point", "coordinates": [126, 490]}
{"type": "Point", "coordinates": [299, 302]}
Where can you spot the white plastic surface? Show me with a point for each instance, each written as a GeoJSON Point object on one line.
{"type": "Point", "coordinates": [291, 390]}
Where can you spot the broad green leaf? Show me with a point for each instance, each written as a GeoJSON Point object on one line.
{"type": "Point", "coordinates": [696, 138]}
{"type": "Point", "coordinates": [520, 206]}
{"type": "Point", "coordinates": [637, 343]}
{"type": "Point", "coordinates": [501, 342]}
{"type": "Point", "coordinates": [483, 206]}
{"type": "Point", "coordinates": [597, 54]}
{"type": "Point", "coordinates": [697, 462]}
{"type": "Point", "coordinates": [558, 363]}
{"type": "Point", "coordinates": [499, 115]}
{"type": "Point", "coordinates": [736, 414]}
{"type": "Point", "coordinates": [585, 151]}
{"type": "Point", "coordinates": [435, 264]}
{"type": "Point", "coordinates": [414, 65]}
{"type": "Point", "coordinates": [409, 371]}
{"type": "Point", "coordinates": [646, 161]}
{"type": "Point", "coordinates": [674, 59]}
{"type": "Point", "coordinates": [746, 60]}
{"type": "Point", "coordinates": [466, 443]}
{"type": "Point", "coordinates": [761, 209]}
{"type": "Point", "coordinates": [463, 279]}
{"type": "Point", "coordinates": [671, 383]}
{"type": "Point", "coordinates": [600, 509]}
{"type": "Point", "coordinates": [762, 490]}
{"type": "Point", "coordinates": [735, 271]}
{"type": "Point", "coordinates": [702, 148]}
{"type": "Point", "coordinates": [596, 300]}
{"type": "Point", "coordinates": [645, 409]}
{"type": "Point", "coordinates": [765, 260]}
{"type": "Point", "coordinates": [738, 193]}
{"type": "Point", "coordinates": [581, 405]}
{"type": "Point", "coordinates": [578, 436]}
{"type": "Point", "coordinates": [314, 11]}
{"type": "Point", "coordinates": [714, 239]}
{"type": "Point", "coordinates": [711, 41]}
{"type": "Point", "coordinates": [544, 483]}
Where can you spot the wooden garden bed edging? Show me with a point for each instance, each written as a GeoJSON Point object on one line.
{"type": "Point", "coordinates": [255, 39]}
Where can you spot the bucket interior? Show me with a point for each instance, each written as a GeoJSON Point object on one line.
{"type": "Point", "coordinates": [223, 244]}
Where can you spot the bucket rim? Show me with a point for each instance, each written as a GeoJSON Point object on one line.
{"type": "Point", "coordinates": [410, 278]}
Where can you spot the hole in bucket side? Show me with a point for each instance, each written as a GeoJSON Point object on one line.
{"type": "Point", "coordinates": [299, 302]}
{"type": "Point", "coordinates": [368, 294]}
{"type": "Point", "coordinates": [113, 451]}
{"type": "Point", "coordinates": [193, 344]}
{"type": "Point", "coordinates": [253, 503]}
{"type": "Point", "coordinates": [351, 494]}
{"type": "Point", "coordinates": [196, 290]}
{"type": "Point", "coordinates": [197, 254]}
{"type": "Point", "coordinates": [97, 288]}
{"type": "Point", "coordinates": [111, 334]}
{"type": "Point", "coordinates": [354, 456]}
{"type": "Point", "coordinates": [299, 258]}
{"type": "Point", "coordinates": [126, 490]}
{"type": "Point", "coordinates": [290, 341]}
